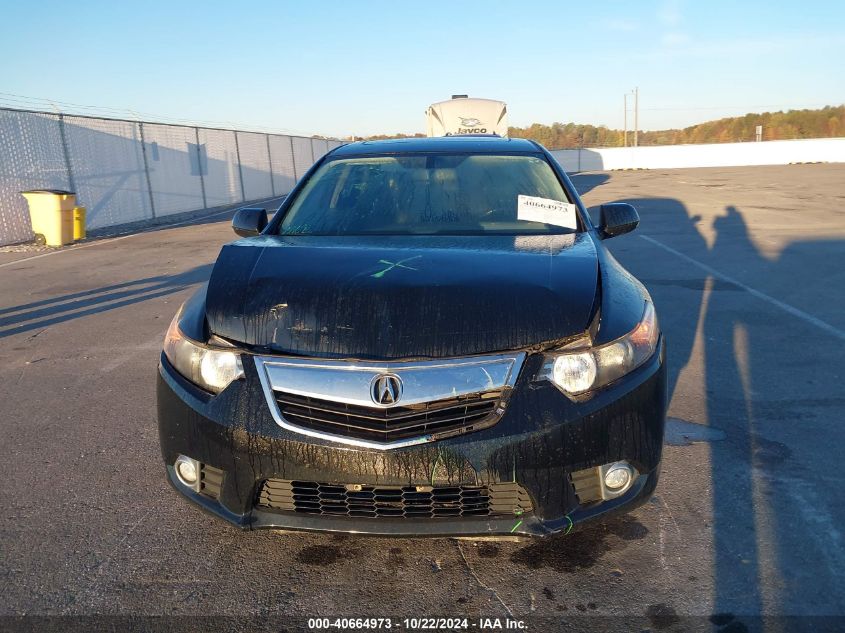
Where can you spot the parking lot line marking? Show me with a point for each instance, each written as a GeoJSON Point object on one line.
{"type": "Point", "coordinates": [809, 318]}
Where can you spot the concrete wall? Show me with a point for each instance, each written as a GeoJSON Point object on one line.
{"type": "Point", "coordinates": [826, 150]}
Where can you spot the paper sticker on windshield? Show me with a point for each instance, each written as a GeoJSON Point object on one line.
{"type": "Point", "coordinates": [547, 211]}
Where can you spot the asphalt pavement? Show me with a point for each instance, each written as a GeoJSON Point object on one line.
{"type": "Point", "coordinates": [745, 268]}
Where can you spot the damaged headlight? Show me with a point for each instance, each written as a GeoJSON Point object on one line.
{"type": "Point", "coordinates": [580, 370]}
{"type": "Point", "coordinates": [211, 368]}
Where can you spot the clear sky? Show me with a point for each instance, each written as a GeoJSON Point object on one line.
{"type": "Point", "coordinates": [368, 67]}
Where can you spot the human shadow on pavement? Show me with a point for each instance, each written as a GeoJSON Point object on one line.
{"type": "Point", "coordinates": [771, 386]}
{"type": "Point", "coordinates": [677, 298]}
{"type": "Point", "coordinates": [697, 307]}
{"type": "Point", "coordinates": [672, 258]}
{"type": "Point", "coordinates": [729, 335]}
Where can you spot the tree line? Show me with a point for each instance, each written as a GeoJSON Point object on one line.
{"type": "Point", "coordinates": [824, 122]}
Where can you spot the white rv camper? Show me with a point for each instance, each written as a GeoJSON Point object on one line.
{"type": "Point", "coordinates": [462, 115]}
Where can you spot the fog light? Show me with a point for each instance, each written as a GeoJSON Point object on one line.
{"type": "Point", "coordinates": [618, 477]}
{"type": "Point", "coordinates": [601, 483]}
{"type": "Point", "coordinates": [188, 471]}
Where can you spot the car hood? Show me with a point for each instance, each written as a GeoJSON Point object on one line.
{"type": "Point", "coordinates": [402, 297]}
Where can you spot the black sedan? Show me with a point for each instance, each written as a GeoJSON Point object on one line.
{"type": "Point", "coordinates": [428, 338]}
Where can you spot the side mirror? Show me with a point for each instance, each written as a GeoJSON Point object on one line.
{"type": "Point", "coordinates": [249, 221]}
{"type": "Point", "coordinates": [617, 218]}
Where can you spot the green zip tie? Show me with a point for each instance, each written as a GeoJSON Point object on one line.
{"type": "Point", "coordinates": [515, 527]}
{"type": "Point", "coordinates": [434, 470]}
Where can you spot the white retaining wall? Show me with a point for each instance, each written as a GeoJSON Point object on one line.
{"type": "Point", "coordinates": [825, 150]}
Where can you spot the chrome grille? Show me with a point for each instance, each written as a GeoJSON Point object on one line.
{"type": "Point", "coordinates": [337, 400]}
{"type": "Point", "coordinates": [412, 502]}
{"type": "Point", "coordinates": [387, 425]}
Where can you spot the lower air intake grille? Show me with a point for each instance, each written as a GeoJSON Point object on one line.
{"type": "Point", "coordinates": [211, 481]}
{"type": "Point", "coordinates": [426, 502]}
{"type": "Point", "coordinates": [587, 484]}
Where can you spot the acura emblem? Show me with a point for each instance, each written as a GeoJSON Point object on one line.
{"type": "Point", "coordinates": [386, 389]}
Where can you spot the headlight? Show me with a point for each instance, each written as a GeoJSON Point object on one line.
{"type": "Point", "coordinates": [210, 368]}
{"type": "Point", "coordinates": [578, 371]}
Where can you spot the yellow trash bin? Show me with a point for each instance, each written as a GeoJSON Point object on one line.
{"type": "Point", "coordinates": [79, 223]}
{"type": "Point", "coordinates": [51, 214]}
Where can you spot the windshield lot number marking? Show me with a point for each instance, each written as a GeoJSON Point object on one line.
{"type": "Point", "coordinates": [546, 211]}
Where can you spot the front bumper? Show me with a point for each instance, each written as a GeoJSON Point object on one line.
{"type": "Point", "coordinates": [540, 440]}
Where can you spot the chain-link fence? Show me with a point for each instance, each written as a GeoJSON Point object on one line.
{"type": "Point", "coordinates": [126, 171]}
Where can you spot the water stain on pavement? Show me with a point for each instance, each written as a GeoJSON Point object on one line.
{"type": "Point", "coordinates": [396, 558]}
{"type": "Point", "coordinates": [727, 623]}
{"type": "Point", "coordinates": [768, 453]}
{"type": "Point", "coordinates": [627, 528]}
{"type": "Point", "coordinates": [661, 616]}
{"type": "Point", "coordinates": [488, 550]}
{"type": "Point", "coordinates": [683, 433]}
{"type": "Point", "coordinates": [582, 550]}
{"type": "Point", "coordinates": [321, 555]}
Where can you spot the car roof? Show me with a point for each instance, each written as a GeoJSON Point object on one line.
{"type": "Point", "coordinates": [475, 144]}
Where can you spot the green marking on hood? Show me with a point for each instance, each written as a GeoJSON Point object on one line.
{"type": "Point", "coordinates": [391, 265]}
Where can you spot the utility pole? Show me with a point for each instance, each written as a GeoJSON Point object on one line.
{"type": "Point", "coordinates": [636, 115]}
{"type": "Point", "coordinates": [625, 116]}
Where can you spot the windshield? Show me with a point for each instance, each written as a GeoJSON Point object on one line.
{"type": "Point", "coordinates": [432, 194]}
